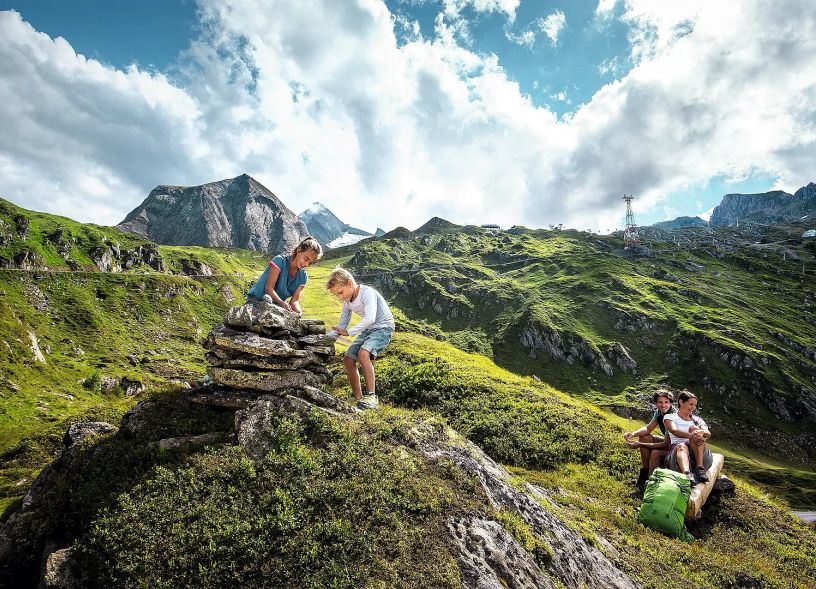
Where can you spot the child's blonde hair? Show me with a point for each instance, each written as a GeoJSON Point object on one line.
{"type": "Point", "coordinates": [310, 243]}
{"type": "Point", "coordinates": [339, 277]}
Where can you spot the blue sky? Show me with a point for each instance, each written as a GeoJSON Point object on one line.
{"type": "Point", "coordinates": [150, 33]}
{"type": "Point", "coordinates": [392, 112]}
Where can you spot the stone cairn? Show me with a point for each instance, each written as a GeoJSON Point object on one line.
{"type": "Point", "coordinates": [264, 351]}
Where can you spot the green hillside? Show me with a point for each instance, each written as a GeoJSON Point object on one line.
{"type": "Point", "coordinates": [349, 503]}
{"type": "Point", "coordinates": [95, 329]}
{"type": "Point", "coordinates": [728, 315]}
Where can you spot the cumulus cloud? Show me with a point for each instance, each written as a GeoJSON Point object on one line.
{"type": "Point", "coordinates": [552, 25]}
{"type": "Point", "coordinates": [77, 133]}
{"type": "Point", "coordinates": [605, 8]}
{"type": "Point", "coordinates": [389, 132]}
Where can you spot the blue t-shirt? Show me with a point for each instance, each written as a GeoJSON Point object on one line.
{"type": "Point", "coordinates": [286, 285]}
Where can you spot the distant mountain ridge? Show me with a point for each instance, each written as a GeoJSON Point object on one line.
{"type": "Point", "coordinates": [680, 223]}
{"type": "Point", "coordinates": [771, 207]}
{"type": "Point", "coordinates": [238, 212]}
{"type": "Point", "coordinates": [328, 229]}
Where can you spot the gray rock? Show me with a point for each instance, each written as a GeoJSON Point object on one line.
{"type": "Point", "coordinates": [618, 354]}
{"type": "Point", "coordinates": [200, 440]}
{"type": "Point", "coordinates": [775, 206]}
{"type": "Point", "coordinates": [108, 383]}
{"type": "Point", "coordinates": [490, 558]}
{"type": "Point", "coordinates": [224, 397]}
{"type": "Point", "coordinates": [105, 260]}
{"type": "Point", "coordinates": [238, 212]}
{"type": "Point", "coordinates": [79, 431]}
{"type": "Point", "coordinates": [251, 343]}
{"type": "Point", "coordinates": [131, 387]}
{"type": "Point", "coordinates": [316, 326]}
{"type": "Point", "coordinates": [231, 359]}
{"type": "Point", "coordinates": [574, 561]}
{"type": "Point", "coordinates": [319, 398]}
{"type": "Point", "coordinates": [57, 572]}
{"type": "Point", "coordinates": [262, 381]}
{"type": "Point", "coordinates": [323, 350]}
{"type": "Point", "coordinates": [317, 340]}
{"type": "Point", "coordinates": [195, 268]}
{"type": "Point", "coordinates": [321, 371]}
{"type": "Point", "coordinates": [260, 314]}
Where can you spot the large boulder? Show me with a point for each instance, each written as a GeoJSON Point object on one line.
{"type": "Point", "coordinates": [263, 381]}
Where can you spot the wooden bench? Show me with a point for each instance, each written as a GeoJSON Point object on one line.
{"type": "Point", "coordinates": [700, 493]}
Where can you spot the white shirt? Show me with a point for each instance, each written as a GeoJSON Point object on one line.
{"type": "Point", "coordinates": [373, 309]}
{"type": "Point", "coordinates": [682, 425]}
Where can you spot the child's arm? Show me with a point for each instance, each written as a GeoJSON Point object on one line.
{"type": "Point", "coordinates": [294, 302]}
{"type": "Point", "coordinates": [271, 281]}
{"type": "Point", "coordinates": [345, 317]}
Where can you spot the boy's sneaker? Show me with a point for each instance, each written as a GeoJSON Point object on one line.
{"type": "Point", "coordinates": [369, 401]}
{"type": "Point", "coordinates": [691, 478]}
{"type": "Point", "coordinates": [700, 474]}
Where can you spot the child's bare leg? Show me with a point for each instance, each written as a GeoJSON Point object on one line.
{"type": "Point", "coordinates": [368, 369]}
{"type": "Point", "coordinates": [698, 450]}
{"type": "Point", "coordinates": [655, 458]}
{"type": "Point", "coordinates": [682, 458]}
{"type": "Point", "coordinates": [353, 376]}
{"type": "Point", "coordinates": [645, 452]}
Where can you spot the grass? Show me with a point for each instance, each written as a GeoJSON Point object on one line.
{"type": "Point", "coordinates": [733, 329]}
{"type": "Point", "coordinates": [341, 503]}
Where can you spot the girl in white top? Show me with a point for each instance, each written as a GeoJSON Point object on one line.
{"type": "Point", "coordinates": [688, 439]}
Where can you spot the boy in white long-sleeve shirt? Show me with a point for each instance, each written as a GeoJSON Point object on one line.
{"type": "Point", "coordinates": [374, 331]}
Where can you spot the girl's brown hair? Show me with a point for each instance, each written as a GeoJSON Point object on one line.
{"type": "Point", "coordinates": [310, 243]}
{"type": "Point", "coordinates": [685, 396]}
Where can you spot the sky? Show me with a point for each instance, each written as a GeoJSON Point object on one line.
{"type": "Point", "coordinates": [529, 112]}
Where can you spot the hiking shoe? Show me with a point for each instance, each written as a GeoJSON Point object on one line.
{"type": "Point", "coordinates": [368, 402]}
{"type": "Point", "coordinates": [700, 474]}
{"type": "Point", "coordinates": [691, 478]}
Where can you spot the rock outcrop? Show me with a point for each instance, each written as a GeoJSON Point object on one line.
{"type": "Point", "coordinates": [775, 206]}
{"type": "Point", "coordinates": [239, 212]}
{"type": "Point", "coordinates": [263, 348]}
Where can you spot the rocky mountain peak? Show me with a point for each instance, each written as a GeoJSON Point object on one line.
{"type": "Point", "coordinates": [328, 229]}
{"type": "Point", "coordinates": [775, 206]}
{"type": "Point", "coordinates": [235, 212]}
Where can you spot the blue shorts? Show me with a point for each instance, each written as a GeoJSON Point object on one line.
{"type": "Point", "coordinates": [372, 340]}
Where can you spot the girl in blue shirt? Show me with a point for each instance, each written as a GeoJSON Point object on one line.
{"type": "Point", "coordinates": [285, 276]}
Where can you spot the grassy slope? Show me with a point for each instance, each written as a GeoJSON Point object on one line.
{"type": "Point", "coordinates": [88, 324]}
{"type": "Point", "coordinates": [703, 312]}
{"type": "Point", "coordinates": [562, 443]}
{"type": "Point", "coordinates": [357, 509]}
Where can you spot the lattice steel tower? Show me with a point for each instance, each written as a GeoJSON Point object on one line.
{"type": "Point", "coordinates": [630, 234]}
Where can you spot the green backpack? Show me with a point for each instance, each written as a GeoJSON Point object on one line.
{"type": "Point", "coordinates": [664, 503]}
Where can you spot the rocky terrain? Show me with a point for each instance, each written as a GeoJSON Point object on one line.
{"type": "Point", "coordinates": [234, 213]}
{"type": "Point", "coordinates": [766, 208]}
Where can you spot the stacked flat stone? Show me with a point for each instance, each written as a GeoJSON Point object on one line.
{"type": "Point", "coordinates": [263, 347]}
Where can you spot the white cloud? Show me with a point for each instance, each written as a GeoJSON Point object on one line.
{"type": "Point", "coordinates": [605, 8]}
{"type": "Point", "coordinates": [609, 66]}
{"type": "Point", "coordinates": [385, 133]}
{"type": "Point", "coordinates": [552, 25]}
